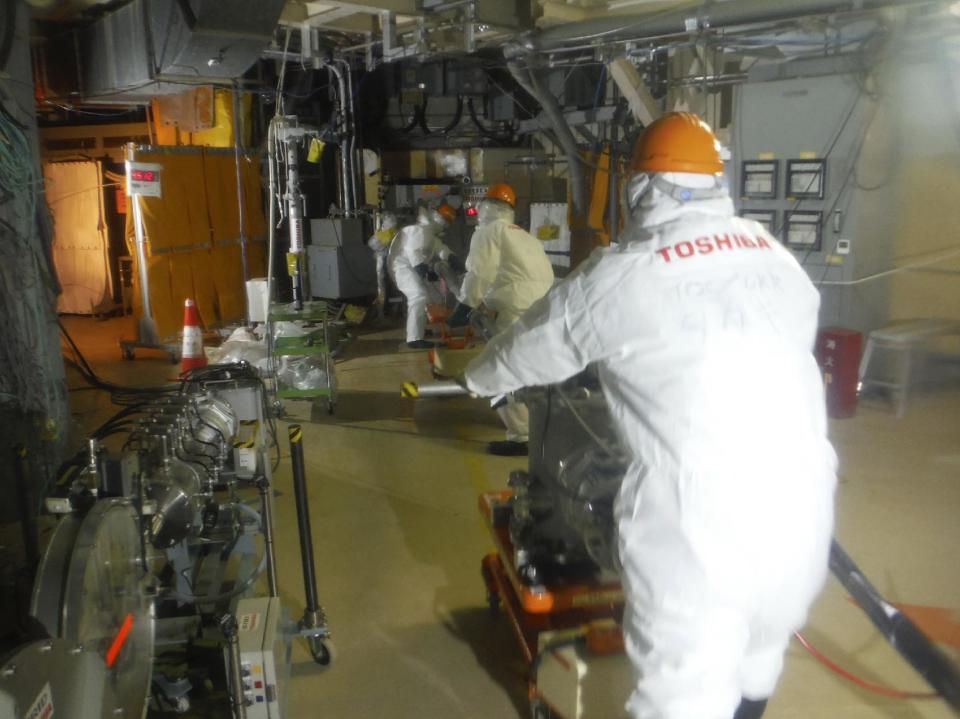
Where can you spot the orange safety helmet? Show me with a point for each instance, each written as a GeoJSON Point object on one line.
{"type": "Point", "coordinates": [447, 212]}
{"type": "Point", "coordinates": [503, 192]}
{"type": "Point", "coordinates": [677, 142]}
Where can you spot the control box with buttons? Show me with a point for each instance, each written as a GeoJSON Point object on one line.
{"type": "Point", "coordinates": [264, 656]}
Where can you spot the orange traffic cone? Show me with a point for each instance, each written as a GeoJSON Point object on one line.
{"type": "Point", "coordinates": [192, 355]}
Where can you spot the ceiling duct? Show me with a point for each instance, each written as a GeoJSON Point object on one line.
{"type": "Point", "coordinates": [158, 47]}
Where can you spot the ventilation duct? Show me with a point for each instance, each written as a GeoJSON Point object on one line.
{"type": "Point", "coordinates": [158, 47]}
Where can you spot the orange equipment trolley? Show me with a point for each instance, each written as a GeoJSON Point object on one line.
{"type": "Point", "coordinates": [592, 611]}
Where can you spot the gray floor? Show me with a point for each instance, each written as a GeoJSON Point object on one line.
{"type": "Point", "coordinates": [398, 541]}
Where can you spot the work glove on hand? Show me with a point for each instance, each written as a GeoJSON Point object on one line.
{"type": "Point", "coordinates": [456, 264]}
{"type": "Point", "coordinates": [460, 317]}
{"type": "Point", "coordinates": [423, 270]}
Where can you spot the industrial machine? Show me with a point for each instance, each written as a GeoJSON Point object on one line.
{"type": "Point", "coordinates": [161, 569]}
{"type": "Point", "coordinates": [561, 521]}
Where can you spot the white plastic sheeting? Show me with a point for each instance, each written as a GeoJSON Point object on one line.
{"type": "Point", "coordinates": [81, 250]}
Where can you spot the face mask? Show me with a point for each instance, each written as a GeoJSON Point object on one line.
{"type": "Point", "coordinates": [635, 190]}
{"type": "Point", "coordinates": [491, 211]}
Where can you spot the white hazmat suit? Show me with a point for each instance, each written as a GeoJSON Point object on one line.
{"type": "Point", "coordinates": [507, 271]}
{"type": "Point", "coordinates": [701, 326]}
{"type": "Point", "coordinates": [417, 245]}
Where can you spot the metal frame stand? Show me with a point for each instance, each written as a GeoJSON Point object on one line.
{"type": "Point", "coordinates": [313, 625]}
{"type": "Point", "coordinates": [146, 327]}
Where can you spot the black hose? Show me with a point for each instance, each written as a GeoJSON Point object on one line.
{"type": "Point", "coordinates": [94, 380]}
{"type": "Point", "coordinates": [416, 117]}
{"type": "Point", "coordinates": [486, 132]}
{"type": "Point", "coordinates": [902, 634]}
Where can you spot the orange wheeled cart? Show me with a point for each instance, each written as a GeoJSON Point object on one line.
{"type": "Point", "coordinates": [565, 631]}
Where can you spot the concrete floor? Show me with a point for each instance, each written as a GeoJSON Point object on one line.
{"type": "Point", "coordinates": [398, 542]}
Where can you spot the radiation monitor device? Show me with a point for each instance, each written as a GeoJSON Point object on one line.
{"type": "Point", "coordinates": [143, 178]}
{"type": "Point", "coordinates": [804, 231]}
{"type": "Point", "coordinates": [759, 179]}
{"type": "Point", "coordinates": [806, 178]}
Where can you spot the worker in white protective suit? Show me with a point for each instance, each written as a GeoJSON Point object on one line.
{"type": "Point", "coordinates": [507, 271]}
{"type": "Point", "coordinates": [701, 327]}
{"type": "Point", "coordinates": [379, 244]}
{"type": "Point", "coordinates": [409, 261]}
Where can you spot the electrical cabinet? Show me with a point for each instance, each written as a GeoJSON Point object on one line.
{"type": "Point", "coordinates": [340, 263]}
{"type": "Point", "coordinates": [800, 128]}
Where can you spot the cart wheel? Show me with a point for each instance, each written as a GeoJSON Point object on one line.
{"type": "Point", "coordinates": [126, 353]}
{"type": "Point", "coordinates": [539, 710]}
{"type": "Point", "coordinates": [322, 653]}
{"type": "Point", "coordinates": [493, 603]}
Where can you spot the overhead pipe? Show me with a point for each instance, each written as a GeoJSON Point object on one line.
{"type": "Point", "coordinates": [530, 81]}
{"type": "Point", "coordinates": [346, 185]}
{"type": "Point", "coordinates": [708, 15]}
{"type": "Point", "coordinates": [613, 189]}
{"type": "Point", "coordinates": [352, 133]}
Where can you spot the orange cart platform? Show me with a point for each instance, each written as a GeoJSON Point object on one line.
{"type": "Point", "coordinates": [530, 610]}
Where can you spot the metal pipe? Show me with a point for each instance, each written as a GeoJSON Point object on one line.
{"type": "Point", "coordinates": [529, 80]}
{"type": "Point", "coordinates": [303, 518]}
{"type": "Point", "coordinates": [28, 519]}
{"type": "Point", "coordinates": [238, 702]}
{"type": "Point", "coordinates": [272, 210]}
{"type": "Point", "coordinates": [613, 191]}
{"type": "Point", "coordinates": [241, 205]}
{"type": "Point", "coordinates": [266, 519]}
{"type": "Point", "coordinates": [707, 15]}
{"type": "Point", "coordinates": [346, 194]}
{"type": "Point", "coordinates": [710, 80]}
{"type": "Point", "coordinates": [433, 389]}
{"type": "Point", "coordinates": [295, 223]}
{"type": "Point", "coordinates": [147, 329]}
{"type": "Point", "coordinates": [354, 175]}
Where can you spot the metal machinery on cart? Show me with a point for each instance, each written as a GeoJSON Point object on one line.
{"type": "Point", "coordinates": [554, 571]}
{"type": "Point", "coordinates": [159, 580]}
{"type": "Point", "coordinates": [554, 568]}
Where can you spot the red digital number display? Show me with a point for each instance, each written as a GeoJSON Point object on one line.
{"type": "Point", "coordinates": [144, 175]}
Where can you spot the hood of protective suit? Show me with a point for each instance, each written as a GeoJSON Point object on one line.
{"type": "Point", "coordinates": [431, 221]}
{"type": "Point", "coordinates": [657, 207]}
{"type": "Point", "coordinates": [491, 211]}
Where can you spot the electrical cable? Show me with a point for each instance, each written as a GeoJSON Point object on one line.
{"type": "Point", "coordinates": [858, 680]}
{"type": "Point", "coordinates": [944, 255]}
{"type": "Point", "coordinates": [121, 394]}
